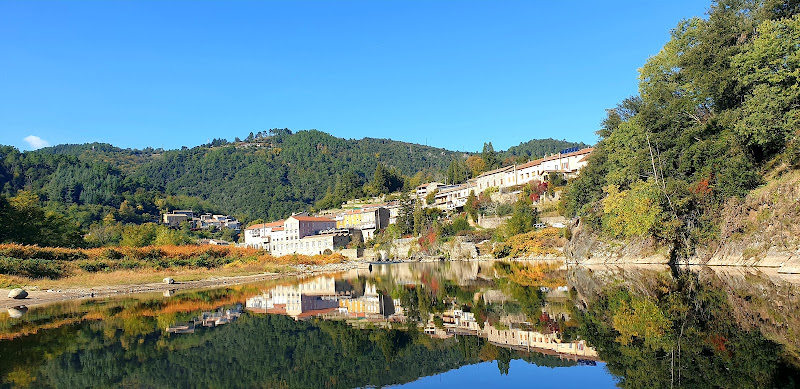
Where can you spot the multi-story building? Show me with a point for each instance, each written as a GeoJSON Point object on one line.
{"type": "Point", "coordinates": [175, 219]}
{"type": "Point", "coordinates": [425, 189]}
{"type": "Point", "coordinates": [368, 220]}
{"type": "Point", "coordinates": [454, 197]}
{"type": "Point", "coordinates": [259, 236]}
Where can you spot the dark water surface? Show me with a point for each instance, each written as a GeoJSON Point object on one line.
{"type": "Point", "coordinates": [426, 325]}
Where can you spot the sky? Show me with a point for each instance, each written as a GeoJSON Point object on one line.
{"type": "Point", "coordinates": [521, 374]}
{"type": "Point", "coordinates": [451, 74]}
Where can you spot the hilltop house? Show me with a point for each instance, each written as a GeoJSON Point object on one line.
{"type": "Point", "coordinates": [567, 163]}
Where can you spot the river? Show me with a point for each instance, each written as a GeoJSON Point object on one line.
{"type": "Point", "coordinates": [424, 325]}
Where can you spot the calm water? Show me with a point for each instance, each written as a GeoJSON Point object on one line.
{"type": "Point", "coordinates": [452, 324]}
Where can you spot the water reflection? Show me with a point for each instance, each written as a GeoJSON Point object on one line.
{"type": "Point", "coordinates": [357, 297]}
{"type": "Point", "coordinates": [207, 319]}
{"type": "Point", "coordinates": [17, 312]}
{"type": "Point", "coordinates": [392, 324]}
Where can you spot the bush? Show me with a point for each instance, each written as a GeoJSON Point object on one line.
{"type": "Point", "coordinates": [127, 265]}
{"type": "Point", "coordinates": [93, 266]}
{"type": "Point", "coordinates": [539, 243]}
{"type": "Point", "coordinates": [32, 268]}
{"type": "Point", "coordinates": [110, 253]}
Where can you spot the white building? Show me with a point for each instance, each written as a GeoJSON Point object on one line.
{"type": "Point", "coordinates": [259, 236]}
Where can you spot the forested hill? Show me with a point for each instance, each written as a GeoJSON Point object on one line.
{"type": "Point", "coordinates": [718, 115]}
{"type": "Point", "coordinates": [267, 175]}
{"type": "Point", "coordinates": [271, 177]}
{"type": "Point", "coordinates": [537, 148]}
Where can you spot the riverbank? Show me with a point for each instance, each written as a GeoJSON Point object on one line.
{"type": "Point", "coordinates": [41, 292]}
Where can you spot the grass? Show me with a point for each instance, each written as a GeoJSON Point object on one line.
{"type": "Point", "coordinates": [60, 268]}
{"type": "Point", "coordinates": [137, 277]}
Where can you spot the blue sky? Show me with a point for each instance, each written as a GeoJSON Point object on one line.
{"type": "Point", "coordinates": [450, 74]}
{"type": "Point", "coordinates": [521, 374]}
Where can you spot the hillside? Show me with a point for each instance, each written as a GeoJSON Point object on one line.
{"type": "Point", "coordinates": [716, 117]}
{"type": "Point", "coordinates": [268, 175]}
{"type": "Point", "coordinates": [538, 148]}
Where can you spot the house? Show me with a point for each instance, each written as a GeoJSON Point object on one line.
{"type": "Point", "coordinates": [208, 220]}
{"type": "Point", "coordinates": [568, 163]}
{"type": "Point", "coordinates": [423, 190]}
{"type": "Point", "coordinates": [365, 218]}
{"type": "Point", "coordinates": [175, 219]}
{"type": "Point", "coordinates": [454, 197]}
{"type": "Point", "coordinates": [307, 235]}
{"type": "Point", "coordinates": [259, 235]}
{"type": "Point", "coordinates": [496, 178]}
{"type": "Point", "coordinates": [314, 244]}
{"type": "Point", "coordinates": [368, 220]}
{"type": "Point", "coordinates": [299, 226]}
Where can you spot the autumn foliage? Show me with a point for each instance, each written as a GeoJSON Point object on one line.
{"type": "Point", "coordinates": [539, 243]}
{"type": "Point", "coordinates": [55, 262]}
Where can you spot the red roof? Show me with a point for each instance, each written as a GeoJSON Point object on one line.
{"type": "Point", "coordinates": [556, 156]}
{"type": "Point", "coordinates": [278, 223]}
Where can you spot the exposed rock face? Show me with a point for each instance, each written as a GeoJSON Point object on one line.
{"type": "Point", "coordinates": [168, 280]}
{"type": "Point", "coordinates": [17, 294]}
{"type": "Point", "coordinates": [460, 248]}
{"type": "Point", "coordinates": [586, 247]}
{"type": "Point", "coordinates": [761, 230]}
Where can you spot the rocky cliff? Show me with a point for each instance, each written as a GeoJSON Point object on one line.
{"type": "Point", "coordinates": [762, 230]}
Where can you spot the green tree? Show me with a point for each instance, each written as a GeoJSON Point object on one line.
{"type": "Point", "coordinates": [489, 156]}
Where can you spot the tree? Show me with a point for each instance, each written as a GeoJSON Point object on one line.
{"type": "Point", "coordinates": [476, 165]}
{"type": "Point", "coordinates": [405, 218]}
{"type": "Point", "coordinates": [522, 219]}
{"type": "Point", "coordinates": [489, 156]}
{"type": "Point", "coordinates": [471, 206]}
{"type": "Point", "coordinates": [458, 172]}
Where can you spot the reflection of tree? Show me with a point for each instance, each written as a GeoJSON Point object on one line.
{"type": "Point", "coordinates": [683, 334]}
{"type": "Point", "coordinates": [503, 356]}
{"type": "Point", "coordinates": [256, 351]}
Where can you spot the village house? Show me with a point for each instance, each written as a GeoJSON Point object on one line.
{"type": "Point", "coordinates": [567, 163]}
{"type": "Point", "coordinates": [259, 236]}
{"type": "Point", "coordinates": [494, 178]}
{"type": "Point", "coordinates": [425, 189]}
{"type": "Point", "coordinates": [368, 220]}
{"type": "Point", "coordinates": [175, 219]}
{"type": "Point", "coordinates": [298, 234]}
{"type": "Point", "coordinates": [454, 197]}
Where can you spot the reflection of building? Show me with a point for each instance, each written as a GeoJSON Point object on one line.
{"type": "Point", "coordinates": [298, 301]}
{"type": "Point", "coordinates": [207, 319]}
{"type": "Point", "coordinates": [517, 338]}
{"type": "Point", "coordinates": [372, 303]}
{"type": "Point", "coordinates": [460, 320]}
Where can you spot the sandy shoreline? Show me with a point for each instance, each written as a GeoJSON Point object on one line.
{"type": "Point", "coordinates": [43, 297]}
